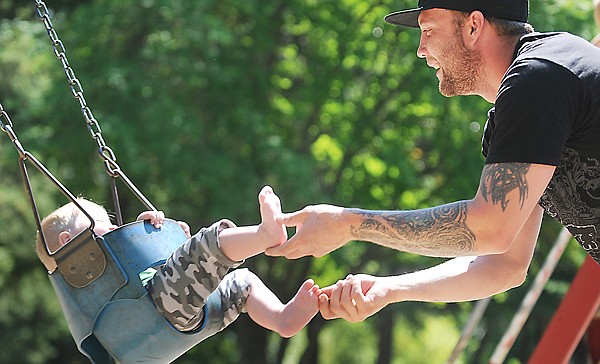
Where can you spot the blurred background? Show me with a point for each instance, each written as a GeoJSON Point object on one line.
{"type": "Point", "coordinates": [203, 103]}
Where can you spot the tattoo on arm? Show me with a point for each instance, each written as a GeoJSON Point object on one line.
{"type": "Point", "coordinates": [499, 179]}
{"type": "Point", "coordinates": [439, 231]}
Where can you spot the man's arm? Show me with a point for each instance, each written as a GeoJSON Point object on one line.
{"type": "Point", "coordinates": [459, 279]}
{"type": "Point", "coordinates": [486, 224]}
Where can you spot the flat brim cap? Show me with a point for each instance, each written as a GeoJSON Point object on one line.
{"type": "Point", "coordinates": [517, 10]}
{"type": "Point", "coordinates": [405, 18]}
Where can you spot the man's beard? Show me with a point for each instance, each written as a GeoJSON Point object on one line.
{"type": "Point", "coordinates": [462, 74]}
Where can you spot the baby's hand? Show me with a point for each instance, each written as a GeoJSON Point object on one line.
{"type": "Point", "coordinates": [185, 227]}
{"type": "Point", "coordinates": [156, 218]}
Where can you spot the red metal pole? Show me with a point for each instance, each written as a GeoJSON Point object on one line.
{"type": "Point", "coordinates": [572, 317]}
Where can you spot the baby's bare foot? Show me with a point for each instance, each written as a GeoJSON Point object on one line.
{"type": "Point", "coordinates": [270, 207]}
{"type": "Point", "coordinates": [300, 309]}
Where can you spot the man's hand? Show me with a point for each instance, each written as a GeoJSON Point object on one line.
{"type": "Point", "coordinates": [320, 229]}
{"type": "Point", "coordinates": [354, 298]}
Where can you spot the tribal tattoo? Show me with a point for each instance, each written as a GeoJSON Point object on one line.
{"type": "Point", "coordinates": [499, 179]}
{"type": "Point", "coordinates": [439, 231]}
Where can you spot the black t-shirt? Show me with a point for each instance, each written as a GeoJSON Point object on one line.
{"type": "Point", "coordinates": [548, 112]}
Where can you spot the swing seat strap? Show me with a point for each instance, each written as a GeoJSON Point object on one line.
{"type": "Point", "coordinates": [82, 261]}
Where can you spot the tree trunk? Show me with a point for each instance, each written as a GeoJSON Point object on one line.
{"type": "Point", "coordinates": [385, 325]}
{"type": "Point", "coordinates": [311, 353]}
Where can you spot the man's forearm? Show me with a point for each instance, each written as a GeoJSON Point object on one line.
{"type": "Point", "coordinates": [439, 231]}
{"type": "Point", "coordinates": [470, 278]}
{"type": "Point", "coordinates": [457, 280]}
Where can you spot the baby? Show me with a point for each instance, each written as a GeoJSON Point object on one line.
{"type": "Point", "coordinates": [179, 288]}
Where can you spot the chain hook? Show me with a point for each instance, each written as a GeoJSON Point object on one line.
{"type": "Point", "coordinates": [7, 127]}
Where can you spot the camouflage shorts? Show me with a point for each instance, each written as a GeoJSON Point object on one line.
{"type": "Point", "coordinates": [196, 269]}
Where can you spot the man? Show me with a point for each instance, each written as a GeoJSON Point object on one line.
{"type": "Point", "coordinates": [542, 149]}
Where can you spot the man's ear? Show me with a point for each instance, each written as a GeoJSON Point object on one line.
{"type": "Point", "coordinates": [64, 237]}
{"type": "Point", "coordinates": [474, 26]}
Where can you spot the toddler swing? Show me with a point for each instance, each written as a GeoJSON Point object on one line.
{"type": "Point", "coordinates": [96, 279]}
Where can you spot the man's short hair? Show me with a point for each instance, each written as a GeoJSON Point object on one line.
{"type": "Point", "coordinates": [503, 27]}
{"type": "Point", "coordinates": [510, 27]}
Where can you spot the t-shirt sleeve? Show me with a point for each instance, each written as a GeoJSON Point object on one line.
{"type": "Point", "coordinates": [533, 114]}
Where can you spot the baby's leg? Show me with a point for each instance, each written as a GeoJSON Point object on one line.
{"type": "Point", "coordinates": [183, 283]}
{"type": "Point", "coordinates": [233, 291]}
{"type": "Point", "coordinates": [286, 319]}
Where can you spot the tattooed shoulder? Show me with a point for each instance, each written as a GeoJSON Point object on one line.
{"type": "Point", "coordinates": [499, 179]}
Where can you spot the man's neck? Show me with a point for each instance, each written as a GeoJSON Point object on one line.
{"type": "Point", "coordinates": [497, 59]}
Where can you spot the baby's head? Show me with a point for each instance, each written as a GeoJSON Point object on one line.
{"type": "Point", "coordinates": [68, 221]}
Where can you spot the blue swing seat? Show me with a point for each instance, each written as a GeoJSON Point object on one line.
{"type": "Point", "coordinates": [108, 310]}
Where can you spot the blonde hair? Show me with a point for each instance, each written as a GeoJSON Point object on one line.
{"type": "Point", "coordinates": [66, 218]}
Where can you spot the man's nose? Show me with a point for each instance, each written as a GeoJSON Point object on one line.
{"type": "Point", "coordinates": [422, 50]}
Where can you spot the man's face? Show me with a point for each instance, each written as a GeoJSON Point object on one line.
{"type": "Point", "coordinates": [459, 69]}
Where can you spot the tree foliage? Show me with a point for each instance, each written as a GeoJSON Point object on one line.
{"type": "Point", "coordinates": [205, 102]}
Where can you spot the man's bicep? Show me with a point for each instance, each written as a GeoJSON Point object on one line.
{"type": "Point", "coordinates": [514, 186]}
{"type": "Point", "coordinates": [507, 195]}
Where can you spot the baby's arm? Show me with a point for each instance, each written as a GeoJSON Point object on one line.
{"type": "Point", "coordinates": [157, 218]}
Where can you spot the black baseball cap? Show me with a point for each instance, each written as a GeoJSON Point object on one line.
{"type": "Point", "coordinates": [517, 10]}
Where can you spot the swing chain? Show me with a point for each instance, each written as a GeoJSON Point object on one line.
{"type": "Point", "coordinates": [5, 122]}
{"type": "Point", "coordinates": [106, 153]}
{"type": "Point", "coordinates": [7, 127]}
{"type": "Point", "coordinates": [110, 163]}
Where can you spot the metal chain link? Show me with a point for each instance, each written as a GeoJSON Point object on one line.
{"type": "Point", "coordinates": [112, 168]}
{"type": "Point", "coordinates": [7, 127]}
{"type": "Point", "coordinates": [5, 122]}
